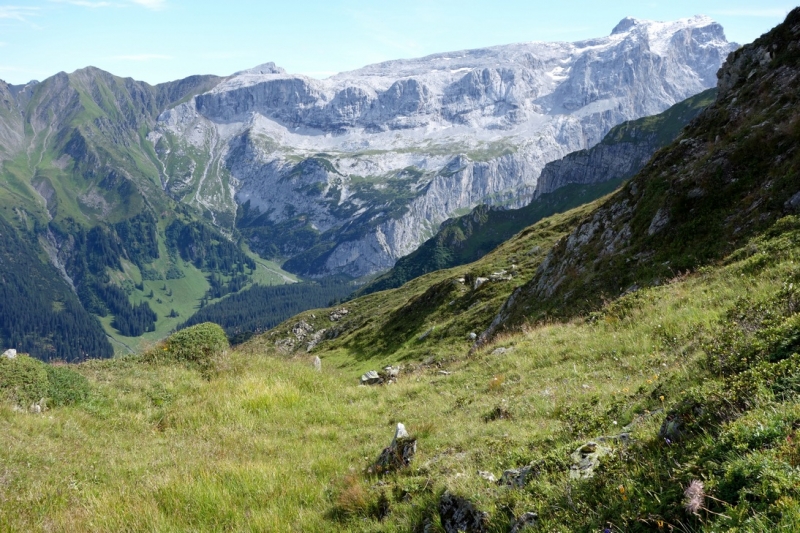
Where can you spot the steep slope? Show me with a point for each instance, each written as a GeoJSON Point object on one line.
{"type": "Point", "coordinates": [577, 178]}
{"type": "Point", "coordinates": [81, 185]}
{"type": "Point", "coordinates": [347, 174]}
{"type": "Point", "coordinates": [731, 174]}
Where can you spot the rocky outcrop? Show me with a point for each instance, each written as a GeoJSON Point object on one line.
{"type": "Point", "coordinates": [367, 164]}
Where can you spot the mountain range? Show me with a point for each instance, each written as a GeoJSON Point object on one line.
{"type": "Point", "coordinates": [138, 203]}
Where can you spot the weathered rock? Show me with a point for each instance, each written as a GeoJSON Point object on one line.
{"type": "Point", "coordinates": [460, 515]}
{"type": "Point", "coordinates": [316, 338]}
{"type": "Point", "coordinates": [317, 363]}
{"type": "Point", "coordinates": [526, 520]}
{"type": "Point", "coordinates": [472, 336]}
{"type": "Point", "coordinates": [586, 459]}
{"type": "Point", "coordinates": [672, 428]}
{"type": "Point", "coordinates": [338, 314]}
{"type": "Point", "coordinates": [499, 351]}
{"type": "Point", "coordinates": [371, 378]}
{"type": "Point", "coordinates": [479, 282]}
{"type": "Point", "coordinates": [302, 329]}
{"type": "Point", "coordinates": [793, 204]}
{"type": "Point", "coordinates": [425, 335]}
{"type": "Point", "coordinates": [500, 275]}
{"type": "Point", "coordinates": [10, 353]}
{"type": "Point", "coordinates": [398, 454]}
{"type": "Point", "coordinates": [488, 476]}
{"type": "Point", "coordinates": [38, 407]}
{"type": "Point", "coordinates": [390, 374]}
{"type": "Point", "coordinates": [518, 477]}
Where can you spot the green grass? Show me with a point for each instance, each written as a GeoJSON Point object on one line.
{"type": "Point", "coordinates": [264, 442]}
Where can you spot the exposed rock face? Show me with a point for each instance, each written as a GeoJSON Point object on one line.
{"type": "Point", "coordinates": [366, 165]}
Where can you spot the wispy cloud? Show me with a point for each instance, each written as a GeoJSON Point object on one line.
{"type": "Point", "coordinates": [142, 57]}
{"type": "Point", "coordinates": [83, 3]}
{"type": "Point", "coordinates": [155, 5]}
{"type": "Point", "coordinates": [18, 12]}
{"type": "Point", "coordinates": [772, 12]}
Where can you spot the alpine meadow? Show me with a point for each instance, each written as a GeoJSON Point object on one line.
{"type": "Point", "coordinates": [545, 286]}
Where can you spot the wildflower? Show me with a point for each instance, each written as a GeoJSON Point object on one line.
{"type": "Point", "coordinates": [694, 495]}
{"type": "Point", "coordinates": [669, 442]}
{"type": "Point", "coordinates": [621, 489]}
{"type": "Point", "coordinates": [660, 524]}
{"type": "Point", "coordinates": [625, 390]}
{"type": "Point", "coordinates": [661, 397]}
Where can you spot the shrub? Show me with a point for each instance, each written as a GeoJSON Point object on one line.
{"type": "Point", "coordinates": [23, 380]}
{"type": "Point", "coordinates": [66, 387]}
{"type": "Point", "coordinates": [199, 346]}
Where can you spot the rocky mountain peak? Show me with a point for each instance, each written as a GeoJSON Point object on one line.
{"type": "Point", "coordinates": [402, 145]}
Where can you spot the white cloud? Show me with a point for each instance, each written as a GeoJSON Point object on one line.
{"type": "Point", "coordinates": [776, 12]}
{"type": "Point", "coordinates": [141, 57]}
{"type": "Point", "coordinates": [151, 4]}
{"type": "Point", "coordinates": [17, 12]}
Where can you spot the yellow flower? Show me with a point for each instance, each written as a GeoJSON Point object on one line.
{"type": "Point", "coordinates": [661, 397]}
{"type": "Point", "coordinates": [621, 489]}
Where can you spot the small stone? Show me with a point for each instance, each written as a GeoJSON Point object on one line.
{"type": "Point", "coordinates": [528, 519]}
{"type": "Point", "coordinates": [317, 363]}
{"type": "Point", "coordinates": [371, 378]}
{"type": "Point", "coordinates": [499, 351]}
{"type": "Point", "coordinates": [444, 372]}
{"type": "Point", "coordinates": [425, 335]}
{"type": "Point", "coordinates": [586, 459]}
{"type": "Point", "coordinates": [516, 478]}
{"type": "Point", "coordinates": [488, 476]}
{"type": "Point", "coordinates": [472, 335]}
{"type": "Point", "coordinates": [11, 353]}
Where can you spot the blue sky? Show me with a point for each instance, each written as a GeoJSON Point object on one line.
{"type": "Point", "coordinates": [161, 40]}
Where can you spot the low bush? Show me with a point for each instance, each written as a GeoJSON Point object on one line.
{"type": "Point", "coordinates": [66, 387]}
{"type": "Point", "coordinates": [200, 346]}
{"type": "Point", "coordinates": [23, 380]}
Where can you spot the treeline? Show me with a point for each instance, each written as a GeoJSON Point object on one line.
{"type": "Point", "coordinates": [206, 248]}
{"type": "Point", "coordinates": [260, 308]}
{"type": "Point", "coordinates": [96, 249]}
{"type": "Point", "coordinates": [39, 313]}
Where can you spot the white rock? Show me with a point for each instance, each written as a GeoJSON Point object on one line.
{"type": "Point", "coordinates": [11, 353]}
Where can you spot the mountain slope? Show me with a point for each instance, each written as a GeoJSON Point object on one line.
{"type": "Point", "coordinates": [346, 175]}
{"type": "Point", "coordinates": [82, 186]}
{"type": "Point", "coordinates": [732, 173]}
{"type": "Point", "coordinates": [578, 178]}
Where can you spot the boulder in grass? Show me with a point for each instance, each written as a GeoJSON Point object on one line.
{"type": "Point", "coordinates": [458, 514]}
{"type": "Point", "coordinates": [371, 378]}
{"type": "Point", "coordinates": [10, 353]}
{"type": "Point", "coordinates": [398, 454]}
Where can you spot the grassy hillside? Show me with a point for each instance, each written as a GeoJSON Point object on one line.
{"type": "Point", "coordinates": [670, 407]}
{"type": "Point", "coordinates": [194, 450]}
